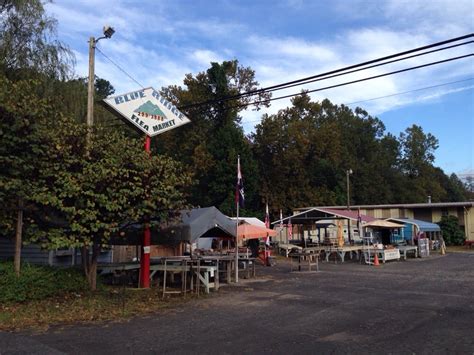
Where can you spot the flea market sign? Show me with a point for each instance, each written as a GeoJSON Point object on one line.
{"type": "Point", "coordinates": [148, 111]}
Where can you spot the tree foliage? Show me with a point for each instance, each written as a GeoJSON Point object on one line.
{"type": "Point", "coordinates": [28, 44]}
{"type": "Point", "coordinates": [74, 199]}
{"type": "Point", "coordinates": [451, 231]}
{"type": "Point", "coordinates": [417, 150]}
{"type": "Point", "coordinates": [211, 143]}
{"type": "Point", "coordinates": [304, 151]}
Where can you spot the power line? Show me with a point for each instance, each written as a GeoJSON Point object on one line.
{"type": "Point", "coordinates": [372, 66]}
{"type": "Point", "coordinates": [327, 75]}
{"type": "Point", "coordinates": [303, 80]}
{"type": "Point", "coordinates": [409, 91]}
{"type": "Point", "coordinates": [322, 76]}
{"type": "Point", "coordinates": [366, 100]}
{"type": "Point", "coordinates": [353, 81]}
{"type": "Point", "coordinates": [119, 67]}
{"type": "Point", "coordinates": [396, 94]}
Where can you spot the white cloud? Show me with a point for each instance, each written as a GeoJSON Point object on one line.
{"type": "Point", "coordinates": [158, 45]}
{"type": "Point", "coordinates": [204, 57]}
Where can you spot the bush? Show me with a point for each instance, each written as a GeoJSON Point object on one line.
{"type": "Point", "coordinates": [452, 232]}
{"type": "Point", "coordinates": [38, 282]}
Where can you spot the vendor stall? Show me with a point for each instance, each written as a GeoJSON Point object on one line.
{"type": "Point", "coordinates": [378, 241]}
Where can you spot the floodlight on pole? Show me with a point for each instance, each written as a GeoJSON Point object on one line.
{"type": "Point", "coordinates": [108, 32]}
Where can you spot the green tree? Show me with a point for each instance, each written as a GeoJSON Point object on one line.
{"type": "Point", "coordinates": [28, 43]}
{"type": "Point", "coordinates": [451, 231]}
{"type": "Point", "coordinates": [304, 151]}
{"type": "Point", "coordinates": [209, 146]}
{"type": "Point", "coordinates": [417, 150]}
{"type": "Point", "coordinates": [21, 115]}
{"type": "Point", "coordinates": [71, 199]}
{"type": "Point", "coordinates": [94, 196]}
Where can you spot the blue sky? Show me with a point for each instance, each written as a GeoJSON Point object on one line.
{"type": "Point", "coordinates": [158, 42]}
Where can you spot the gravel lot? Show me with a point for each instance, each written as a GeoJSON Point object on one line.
{"type": "Point", "coordinates": [414, 306]}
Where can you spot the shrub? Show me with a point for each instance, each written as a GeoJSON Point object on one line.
{"type": "Point", "coordinates": [452, 232]}
{"type": "Point", "coordinates": [38, 282]}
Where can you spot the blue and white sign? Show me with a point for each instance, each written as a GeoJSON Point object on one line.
{"type": "Point", "coordinates": [148, 111]}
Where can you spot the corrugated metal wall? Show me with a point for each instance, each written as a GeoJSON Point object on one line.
{"type": "Point", "coordinates": [33, 254]}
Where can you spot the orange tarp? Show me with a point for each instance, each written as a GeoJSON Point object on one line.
{"type": "Point", "coordinates": [249, 231]}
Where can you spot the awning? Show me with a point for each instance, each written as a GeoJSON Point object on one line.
{"type": "Point", "coordinates": [250, 220]}
{"type": "Point", "coordinates": [316, 214]}
{"type": "Point", "coordinates": [249, 231]}
{"type": "Point", "coordinates": [380, 223]}
{"type": "Point", "coordinates": [422, 226]}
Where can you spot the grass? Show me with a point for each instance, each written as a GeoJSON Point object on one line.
{"type": "Point", "coordinates": [37, 282]}
{"type": "Point", "coordinates": [459, 249]}
{"type": "Point", "coordinates": [72, 308]}
{"type": "Point", "coordinates": [45, 296]}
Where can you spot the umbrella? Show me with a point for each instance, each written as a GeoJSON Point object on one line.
{"type": "Point", "coordinates": [340, 237]}
{"type": "Point", "coordinates": [249, 231]}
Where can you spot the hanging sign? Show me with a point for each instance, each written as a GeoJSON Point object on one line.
{"type": "Point", "coordinates": [148, 111]}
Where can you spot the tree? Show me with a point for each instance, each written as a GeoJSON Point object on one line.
{"type": "Point", "coordinates": [27, 42]}
{"type": "Point", "coordinates": [28, 49]}
{"type": "Point", "coordinates": [451, 231]}
{"type": "Point", "coordinates": [21, 115]}
{"type": "Point", "coordinates": [209, 146]}
{"type": "Point", "coordinates": [71, 199]}
{"type": "Point", "coordinates": [304, 151]}
{"type": "Point", "coordinates": [95, 194]}
{"type": "Point", "coordinates": [418, 150]}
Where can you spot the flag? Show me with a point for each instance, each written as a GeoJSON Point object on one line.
{"type": "Point", "coordinates": [267, 224]}
{"type": "Point", "coordinates": [281, 220]}
{"type": "Point", "coordinates": [239, 189]}
{"type": "Point", "coordinates": [267, 217]}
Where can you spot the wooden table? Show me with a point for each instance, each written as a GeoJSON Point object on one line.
{"type": "Point", "coordinates": [228, 264]}
{"type": "Point", "coordinates": [404, 249]}
{"type": "Point", "coordinates": [203, 273]}
{"type": "Point", "coordinates": [288, 248]}
{"type": "Point", "coordinates": [342, 251]}
{"type": "Point", "coordinates": [383, 254]}
{"type": "Point", "coordinates": [300, 260]}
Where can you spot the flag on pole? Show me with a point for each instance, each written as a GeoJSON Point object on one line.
{"type": "Point", "coordinates": [267, 224]}
{"type": "Point", "coordinates": [239, 189]}
{"type": "Point", "coordinates": [267, 217]}
{"type": "Point", "coordinates": [281, 219]}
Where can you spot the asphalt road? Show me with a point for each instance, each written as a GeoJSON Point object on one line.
{"type": "Point", "coordinates": [417, 306]}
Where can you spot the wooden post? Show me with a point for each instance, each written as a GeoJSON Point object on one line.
{"type": "Point", "coordinates": [145, 255]}
{"type": "Point", "coordinates": [18, 238]}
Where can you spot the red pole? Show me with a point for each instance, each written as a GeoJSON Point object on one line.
{"type": "Point", "coordinates": [145, 255]}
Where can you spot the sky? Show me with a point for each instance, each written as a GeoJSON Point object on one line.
{"type": "Point", "coordinates": [158, 42]}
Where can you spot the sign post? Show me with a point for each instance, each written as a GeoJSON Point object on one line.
{"type": "Point", "coordinates": [152, 114]}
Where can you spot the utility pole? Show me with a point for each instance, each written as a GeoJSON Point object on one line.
{"type": "Point", "coordinates": [108, 32]}
{"type": "Point", "coordinates": [348, 172]}
{"type": "Point", "coordinates": [90, 84]}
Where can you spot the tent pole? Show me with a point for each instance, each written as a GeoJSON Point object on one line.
{"type": "Point", "coordinates": [237, 246]}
